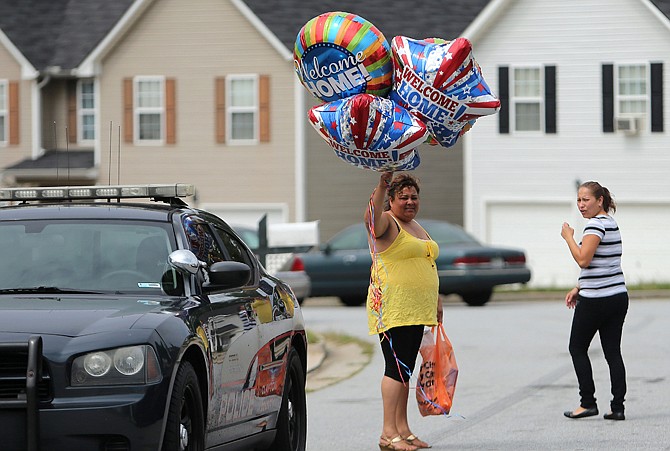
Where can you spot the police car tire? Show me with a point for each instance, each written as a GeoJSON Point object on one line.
{"type": "Point", "coordinates": [185, 407]}
{"type": "Point", "coordinates": [292, 422]}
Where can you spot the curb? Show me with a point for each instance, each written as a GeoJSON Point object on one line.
{"type": "Point", "coordinates": [316, 354]}
{"type": "Point", "coordinates": [560, 295]}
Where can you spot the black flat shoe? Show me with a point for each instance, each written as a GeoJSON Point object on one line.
{"type": "Point", "coordinates": [614, 416]}
{"type": "Point", "coordinates": [587, 413]}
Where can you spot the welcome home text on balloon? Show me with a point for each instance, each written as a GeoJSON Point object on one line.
{"type": "Point", "coordinates": [428, 101]}
{"type": "Point", "coordinates": [360, 157]}
{"type": "Point", "coordinates": [334, 79]}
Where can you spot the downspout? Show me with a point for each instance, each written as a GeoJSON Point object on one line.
{"type": "Point", "coordinates": [300, 151]}
{"type": "Point", "coordinates": [36, 101]}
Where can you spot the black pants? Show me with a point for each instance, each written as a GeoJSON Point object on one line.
{"type": "Point", "coordinates": [400, 346]}
{"type": "Point", "coordinates": [605, 316]}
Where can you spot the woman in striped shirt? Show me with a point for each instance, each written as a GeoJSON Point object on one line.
{"type": "Point", "coordinates": [600, 299]}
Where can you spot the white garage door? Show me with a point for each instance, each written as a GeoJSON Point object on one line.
{"type": "Point", "coordinates": [646, 242]}
{"type": "Point", "coordinates": [536, 228]}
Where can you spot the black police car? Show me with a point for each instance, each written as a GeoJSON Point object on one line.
{"type": "Point", "coordinates": [135, 325]}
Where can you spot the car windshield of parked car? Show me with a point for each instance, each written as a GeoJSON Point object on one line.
{"type": "Point", "coordinates": [72, 255]}
{"type": "Point", "coordinates": [445, 234]}
{"type": "Point", "coordinates": [354, 237]}
{"type": "Point", "coordinates": [249, 236]}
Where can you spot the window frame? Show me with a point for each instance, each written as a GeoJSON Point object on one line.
{"type": "Point", "coordinates": [645, 116]}
{"type": "Point", "coordinates": [4, 112]}
{"type": "Point", "coordinates": [138, 111]}
{"type": "Point", "coordinates": [517, 99]}
{"type": "Point", "coordinates": [231, 110]}
{"type": "Point", "coordinates": [83, 111]}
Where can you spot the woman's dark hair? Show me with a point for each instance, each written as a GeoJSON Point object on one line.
{"type": "Point", "coordinates": [400, 182]}
{"type": "Point", "coordinates": [600, 191]}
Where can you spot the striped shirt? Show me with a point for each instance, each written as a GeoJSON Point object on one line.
{"type": "Point", "coordinates": [604, 276]}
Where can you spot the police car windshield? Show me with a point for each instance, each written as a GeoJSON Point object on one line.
{"type": "Point", "coordinates": [91, 256]}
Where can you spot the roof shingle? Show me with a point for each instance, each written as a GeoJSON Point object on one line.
{"type": "Point", "coordinates": [418, 20]}
{"type": "Point", "coordinates": [59, 32]}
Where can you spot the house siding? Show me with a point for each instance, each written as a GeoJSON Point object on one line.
{"type": "Point", "coordinates": [532, 171]}
{"type": "Point", "coordinates": [10, 70]}
{"type": "Point", "coordinates": [194, 43]}
{"type": "Point", "coordinates": [338, 193]}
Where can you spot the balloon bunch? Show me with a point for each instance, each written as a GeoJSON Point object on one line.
{"type": "Point", "coordinates": [382, 101]}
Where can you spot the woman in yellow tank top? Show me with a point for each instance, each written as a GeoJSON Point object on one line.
{"type": "Point", "coordinates": [402, 298]}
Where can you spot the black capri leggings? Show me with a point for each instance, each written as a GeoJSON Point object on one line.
{"type": "Point", "coordinates": [401, 343]}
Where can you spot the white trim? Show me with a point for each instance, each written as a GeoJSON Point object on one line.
{"type": "Point", "coordinates": [467, 182]}
{"type": "Point", "coordinates": [97, 143]}
{"type": "Point", "coordinates": [148, 110]}
{"type": "Point", "coordinates": [90, 66]}
{"type": "Point", "coordinates": [4, 111]}
{"type": "Point", "coordinates": [300, 161]}
{"type": "Point", "coordinates": [484, 19]}
{"type": "Point", "coordinates": [80, 111]}
{"type": "Point", "coordinates": [28, 71]}
{"type": "Point", "coordinates": [645, 116]}
{"type": "Point", "coordinates": [230, 110]}
{"type": "Point", "coordinates": [539, 100]}
{"type": "Point", "coordinates": [263, 30]}
{"type": "Point", "coordinates": [36, 118]}
{"type": "Point", "coordinates": [657, 13]}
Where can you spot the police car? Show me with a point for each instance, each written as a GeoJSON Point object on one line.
{"type": "Point", "coordinates": [128, 324]}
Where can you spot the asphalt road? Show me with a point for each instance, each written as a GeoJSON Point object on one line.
{"type": "Point", "coordinates": [515, 380]}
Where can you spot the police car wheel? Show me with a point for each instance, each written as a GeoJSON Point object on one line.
{"type": "Point", "coordinates": [185, 429]}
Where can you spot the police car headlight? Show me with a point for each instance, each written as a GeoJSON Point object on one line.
{"type": "Point", "coordinates": [129, 361]}
{"type": "Point", "coordinates": [97, 364]}
{"type": "Point", "coordinates": [121, 366]}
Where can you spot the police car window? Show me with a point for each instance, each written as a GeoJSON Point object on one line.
{"type": "Point", "coordinates": [201, 241]}
{"type": "Point", "coordinates": [236, 250]}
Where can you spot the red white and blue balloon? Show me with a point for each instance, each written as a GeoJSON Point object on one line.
{"type": "Point", "coordinates": [441, 83]}
{"type": "Point", "coordinates": [370, 132]}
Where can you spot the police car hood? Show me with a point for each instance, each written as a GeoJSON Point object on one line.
{"type": "Point", "coordinates": [75, 316]}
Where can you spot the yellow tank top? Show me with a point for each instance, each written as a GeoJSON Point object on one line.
{"type": "Point", "coordinates": [406, 274]}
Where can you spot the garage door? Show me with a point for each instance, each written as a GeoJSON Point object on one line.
{"type": "Point", "coordinates": [644, 232]}
{"type": "Point", "coordinates": [536, 228]}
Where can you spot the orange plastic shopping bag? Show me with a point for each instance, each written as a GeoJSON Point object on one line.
{"type": "Point", "coordinates": [439, 371]}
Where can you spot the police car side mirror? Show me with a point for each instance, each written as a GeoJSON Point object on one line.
{"type": "Point", "coordinates": [185, 261]}
{"type": "Point", "coordinates": [227, 274]}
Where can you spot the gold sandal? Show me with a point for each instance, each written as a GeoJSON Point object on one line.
{"type": "Point", "coordinates": [390, 444]}
{"type": "Point", "coordinates": [413, 438]}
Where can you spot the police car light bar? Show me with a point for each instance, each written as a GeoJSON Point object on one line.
{"type": "Point", "coordinates": [96, 192]}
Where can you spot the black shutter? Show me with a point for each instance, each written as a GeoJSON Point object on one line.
{"type": "Point", "coordinates": [550, 99]}
{"type": "Point", "coordinates": [656, 97]}
{"type": "Point", "coordinates": [608, 98]}
{"type": "Point", "coordinates": [503, 95]}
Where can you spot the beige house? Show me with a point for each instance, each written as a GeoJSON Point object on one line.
{"type": "Point", "coordinates": [201, 92]}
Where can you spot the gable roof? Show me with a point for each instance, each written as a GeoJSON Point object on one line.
{"type": "Point", "coordinates": [446, 19]}
{"type": "Point", "coordinates": [422, 19]}
{"type": "Point", "coordinates": [62, 33]}
{"type": "Point", "coordinates": [663, 6]}
{"type": "Point", "coordinates": [58, 33]}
